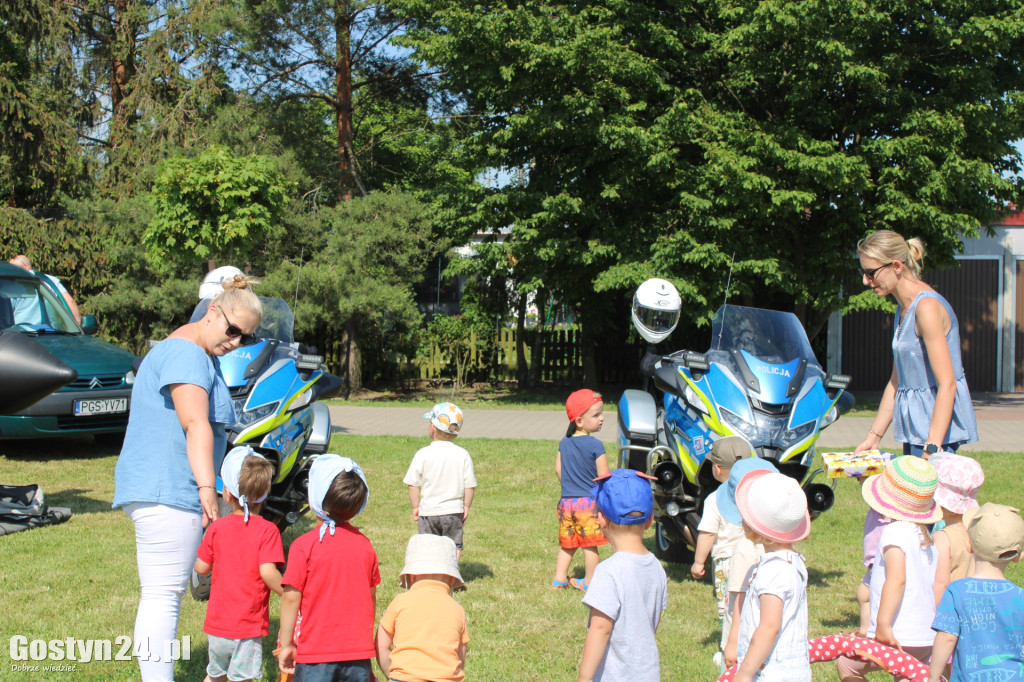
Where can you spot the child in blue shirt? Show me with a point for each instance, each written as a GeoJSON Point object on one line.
{"type": "Point", "coordinates": [980, 619]}
{"type": "Point", "coordinates": [580, 460]}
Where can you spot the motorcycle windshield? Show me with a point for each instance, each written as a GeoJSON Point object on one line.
{"type": "Point", "coordinates": [771, 336]}
{"type": "Point", "coordinates": [278, 321]}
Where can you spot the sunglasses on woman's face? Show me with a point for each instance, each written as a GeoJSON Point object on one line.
{"type": "Point", "coordinates": [234, 332]}
{"type": "Point", "coordinates": [870, 274]}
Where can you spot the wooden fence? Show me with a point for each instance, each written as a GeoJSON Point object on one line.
{"type": "Point", "coordinates": [559, 350]}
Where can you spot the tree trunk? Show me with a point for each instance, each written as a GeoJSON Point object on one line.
{"type": "Point", "coordinates": [343, 98]}
{"type": "Point", "coordinates": [522, 366]}
{"type": "Point", "coordinates": [353, 357]}
{"type": "Point", "coordinates": [122, 70]}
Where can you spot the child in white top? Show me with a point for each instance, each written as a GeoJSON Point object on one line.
{"type": "Point", "coordinates": [746, 555]}
{"type": "Point", "coordinates": [441, 479]}
{"type": "Point", "coordinates": [772, 644]}
{"type": "Point", "coordinates": [903, 573]}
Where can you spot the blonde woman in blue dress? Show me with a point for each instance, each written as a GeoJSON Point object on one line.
{"type": "Point", "coordinates": [926, 400]}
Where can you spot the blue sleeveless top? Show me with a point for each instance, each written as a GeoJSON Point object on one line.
{"type": "Point", "coordinates": [915, 394]}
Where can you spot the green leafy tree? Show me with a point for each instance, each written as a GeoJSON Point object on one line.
{"type": "Point", "coordinates": [40, 111]}
{"type": "Point", "coordinates": [214, 203]}
{"type": "Point", "coordinates": [359, 288]}
{"type": "Point", "coordinates": [740, 149]}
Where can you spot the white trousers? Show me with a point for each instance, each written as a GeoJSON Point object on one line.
{"type": "Point", "coordinates": [166, 540]}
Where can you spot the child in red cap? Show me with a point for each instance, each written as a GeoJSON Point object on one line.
{"type": "Point", "coordinates": [581, 459]}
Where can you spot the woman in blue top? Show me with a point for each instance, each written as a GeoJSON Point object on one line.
{"type": "Point", "coordinates": [165, 477]}
{"type": "Point", "coordinates": [926, 399]}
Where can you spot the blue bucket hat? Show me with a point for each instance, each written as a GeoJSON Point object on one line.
{"type": "Point", "coordinates": [725, 496]}
{"type": "Point", "coordinates": [622, 492]}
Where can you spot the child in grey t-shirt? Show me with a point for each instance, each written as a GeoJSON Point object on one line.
{"type": "Point", "coordinates": [629, 591]}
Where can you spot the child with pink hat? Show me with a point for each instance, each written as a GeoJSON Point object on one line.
{"type": "Point", "coordinates": [903, 573]}
{"type": "Point", "coordinates": [772, 641]}
{"type": "Point", "coordinates": [959, 480]}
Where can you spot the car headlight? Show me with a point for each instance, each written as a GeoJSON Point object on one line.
{"type": "Point", "coordinates": [129, 378]}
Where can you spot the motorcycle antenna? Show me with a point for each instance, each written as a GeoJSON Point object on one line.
{"type": "Point", "coordinates": [728, 281]}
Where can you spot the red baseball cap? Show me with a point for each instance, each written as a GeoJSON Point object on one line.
{"type": "Point", "coordinates": [581, 401]}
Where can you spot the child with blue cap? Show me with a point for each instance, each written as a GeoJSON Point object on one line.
{"type": "Point", "coordinates": [244, 552]}
{"type": "Point", "coordinates": [629, 591]}
{"type": "Point", "coordinates": [332, 576]}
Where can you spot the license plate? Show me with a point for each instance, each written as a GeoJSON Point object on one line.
{"type": "Point", "coordinates": [84, 408]}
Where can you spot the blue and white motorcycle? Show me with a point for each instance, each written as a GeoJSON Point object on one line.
{"type": "Point", "coordinates": [275, 388]}
{"type": "Point", "coordinates": [759, 380]}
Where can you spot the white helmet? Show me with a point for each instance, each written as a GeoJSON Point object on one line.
{"type": "Point", "coordinates": [656, 305]}
{"type": "Point", "coordinates": [211, 287]}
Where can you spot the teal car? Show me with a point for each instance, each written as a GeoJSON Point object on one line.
{"type": "Point", "coordinates": [97, 401]}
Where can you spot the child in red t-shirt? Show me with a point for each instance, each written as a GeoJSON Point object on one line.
{"type": "Point", "coordinates": [243, 551]}
{"type": "Point", "coordinates": [332, 577]}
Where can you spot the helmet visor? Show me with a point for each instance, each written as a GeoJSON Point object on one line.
{"type": "Point", "coordinates": [655, 320]}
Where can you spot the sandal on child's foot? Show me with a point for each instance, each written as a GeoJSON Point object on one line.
{"type": "Point", "coordinates": [558, 585]}
{"type": "Point", "coordinates": [579, 584]}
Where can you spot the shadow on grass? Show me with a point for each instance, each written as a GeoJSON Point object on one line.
{"type": "Point", "coordinates": [817, 578]}
{"type": "Point", "coordinates": [850, 622]}
{"type": "Point", "coordinates": [46, 449]}
{"type": "Point", "coordinates": [77, 502]}
{"type": "Point", "coordinates": [472, 570]}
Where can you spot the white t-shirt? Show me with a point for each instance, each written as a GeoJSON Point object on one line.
{"type": "Point", "coordinates": [745, 556]}
{"type": "Point", "coordinates": [784, 575]}
{"type": "Point", "coordinates": [632, 590]}
{"type": "Point", "coordinates": [913, 623]}
{"type": "Point", "coordinates": [442, 471]}
{"type": "Point", "coordinates": [727, 532]}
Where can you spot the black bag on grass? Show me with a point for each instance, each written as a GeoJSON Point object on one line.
{"type": "Point", "coordinates": [22, 508]}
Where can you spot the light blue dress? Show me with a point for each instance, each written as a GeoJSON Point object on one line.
{"type": "Point", "coordinates": [153, 466]}
{"type": "Point", "coordinates": [915, 394]}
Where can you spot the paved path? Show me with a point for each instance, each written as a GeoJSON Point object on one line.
{"type": "Point", "coordinates": [1000, 424]}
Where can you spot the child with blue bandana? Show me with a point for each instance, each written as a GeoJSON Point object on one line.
{"type": "Point", "coordinates": [332, 577]}
{"type": "Point", "coordinates": [244, 551]}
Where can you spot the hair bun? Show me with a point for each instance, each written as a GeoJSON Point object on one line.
{"type": "Point", "coordinates": [239, 282]}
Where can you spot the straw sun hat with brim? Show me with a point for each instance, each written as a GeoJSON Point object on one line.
{"type": "Point", "coordinates": [904, 491]}
{"type": "Point", "coordinates": [774, 506]}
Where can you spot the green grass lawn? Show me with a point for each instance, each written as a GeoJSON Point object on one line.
{"type": "Point", "coordinates": [79, 580]}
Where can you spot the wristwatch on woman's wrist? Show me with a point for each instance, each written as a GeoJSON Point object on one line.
{"type": "Point", "coordinates": [931, 448]}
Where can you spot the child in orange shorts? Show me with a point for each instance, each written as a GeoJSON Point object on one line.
{"type": "Point", "coordinates": [581, 459]}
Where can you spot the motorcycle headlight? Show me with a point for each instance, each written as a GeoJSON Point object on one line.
{"type": "Point", "coordinates": [790, 436]}
{"type": "Point", "coordinates": [832, 415]}
{"type": "Point", "coordinates": [740, 425]}
{"type": "Point", "coordinates": [251, 416]}
{"type": "Point", "coordinates": [693, 400]}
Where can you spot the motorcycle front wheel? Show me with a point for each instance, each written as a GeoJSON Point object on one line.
{"type": "Point", "coordinates": [668, 548]}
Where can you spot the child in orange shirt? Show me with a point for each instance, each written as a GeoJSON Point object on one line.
{"type": "Point", "coordinates": [423, 634]}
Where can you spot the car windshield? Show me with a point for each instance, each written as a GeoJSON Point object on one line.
{"type": "Point", "coordinates": [769, 335]}
{"type": "Point", "coordinates": [29, 305]}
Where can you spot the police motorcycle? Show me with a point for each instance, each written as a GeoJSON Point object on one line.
{"type": "Point", "coordinates": [275, 387]}
{"type": "Point", "coordinates": [759, 380]}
